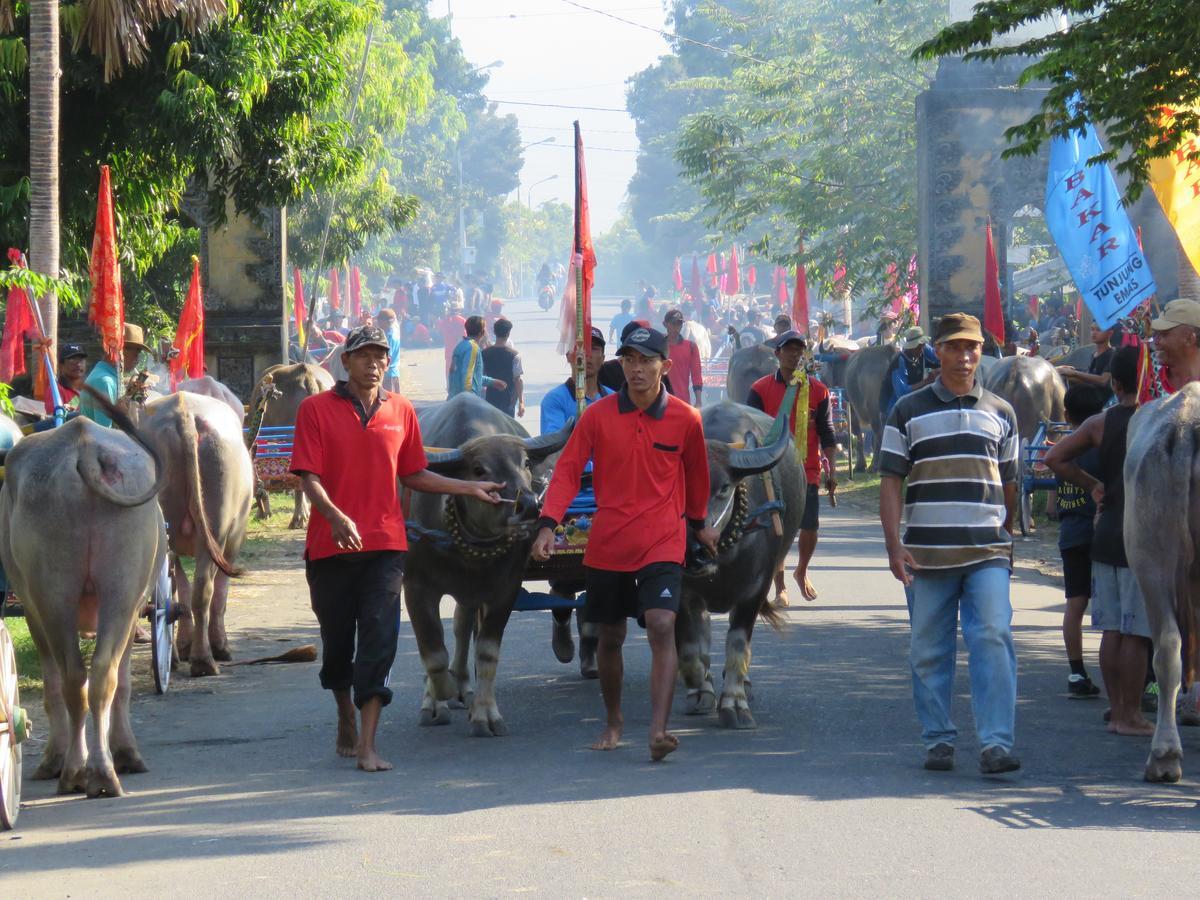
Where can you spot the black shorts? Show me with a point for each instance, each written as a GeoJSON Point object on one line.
{"type": "Point", "coordinates": [356, 597]}
{"type": "Point", "coordinates": [1077, 570]}
{"type": "Point", "coordinates": [811, 520]}
{"type": "Point", "coordinates": [613, 597]}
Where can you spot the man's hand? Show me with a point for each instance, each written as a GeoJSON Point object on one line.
{"type": "Point", "coordinates": [487, 491]}
{"type": "Point", "coordinates": [901, 563]}
{"type": "Point", "coordinates": [542, 545]}
{"type": "Point", "coordinates": [1098, 496]}
{"type": "Point", "coordinates": [521, 409]}
{"type": "Point", "coordinates": [345, 534]}
{"type": "Point", "coordinates": [708, 538]}
{"type": "Point", "coordinates": [499, 384]}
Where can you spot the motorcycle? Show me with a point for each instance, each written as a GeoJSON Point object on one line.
{"type": "Point", "coordinates": [546, 296]}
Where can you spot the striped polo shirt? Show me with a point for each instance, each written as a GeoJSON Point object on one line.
{"type": "Point", "coordinates": [957, 453]}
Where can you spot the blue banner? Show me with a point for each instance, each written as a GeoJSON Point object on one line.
{"type": "Point", "coordinates": [1097, 241]}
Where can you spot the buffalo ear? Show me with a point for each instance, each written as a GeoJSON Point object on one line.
{"type": "Point", "coordinates": [444, 462]}
{"type": "Point", "coordinates": [538, 448]}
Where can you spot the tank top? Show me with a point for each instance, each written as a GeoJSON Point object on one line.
{"type": "Point", "coordinates": [1108, 541]}
{"type": "Point", "coordinates": [498, 363]}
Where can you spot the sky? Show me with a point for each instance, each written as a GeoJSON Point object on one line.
{"type": "Point", "coordinates": [555, 53]}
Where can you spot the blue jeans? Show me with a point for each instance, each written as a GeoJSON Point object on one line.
{"type": "Point", "coordinates": [934, 601]}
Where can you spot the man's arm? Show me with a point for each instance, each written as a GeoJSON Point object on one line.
{"type": "Point", "coordinates": [1060, 458]}
{"type": "Point", "coordinates": [891, 506]}
{"type": "Point", "coordinates": [345, 533]}
{"type": "Point", "coordinates": [696, 487]}
{"type": "Point", "coordinates": [564, 485]}
{"type": "Point", "coordinates": [432, 483]}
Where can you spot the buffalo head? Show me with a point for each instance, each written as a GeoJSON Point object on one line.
{"type": "Point", "coordinates": [727, 466]}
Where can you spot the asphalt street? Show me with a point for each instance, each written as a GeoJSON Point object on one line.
{"type": "Point", "coordinates": [826, 798]}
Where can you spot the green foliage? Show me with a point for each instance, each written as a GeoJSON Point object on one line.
{"type": "Point", "coordinates": [6, 404]}
{"type": "Point", "coordinates": [37, 285]}
{"type": "Point", "coordinates": [819, 140]}
{"type": "Point", "coordinates": [1126, 58]}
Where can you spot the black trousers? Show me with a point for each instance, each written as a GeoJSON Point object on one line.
{"type": "Point", "coordinates": [356, 597]}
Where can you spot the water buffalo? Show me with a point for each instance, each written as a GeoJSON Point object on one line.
{"type": "Point", "coordinates": [865, 372]}
{"type": "Point", "coordinates": [482, 563]}
{"type": "Point", "coordinates": [81, 542]}
{"type": "Point", "coordinates": [1162, 541]}
{"type": "Point", "coordinates": [206, 502]}
{"type": "Point", "coordinates": [750, 553]}
{"type": "Point", "coordinates": [210, 387]}
{"type": "Point", "coordinates": [1032, 387]}
{"type": "Point", "coordinates": [281, 393]}
{"type": "Point", "coordinates": [746, 366]}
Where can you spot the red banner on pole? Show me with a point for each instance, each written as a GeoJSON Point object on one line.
{"type": "Point", "coordinates": [189, 337]}
{"type": "Point", "coordinates": [993, 306]}
{"type": "Point", "coordinates": [107, 307]}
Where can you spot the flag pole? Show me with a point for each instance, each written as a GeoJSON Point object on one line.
{"type": "Point", "coordinates": [47, 359]}
{"type": "Point", "coordinates": [580, 363]}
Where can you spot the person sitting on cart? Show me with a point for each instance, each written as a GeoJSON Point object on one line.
{"type": "Point", "coordinates": [651, 482]}
{"type": "Point", "coordinates": [72, 371]}
{"type": "Point", "coordinates": [915, 366]}
{"type": "Point", "coordinates": [103, 377]}
{"type": "Point", "coordinates": [559, 407]}
{"type": "Point", "coordinates": [767, 395]}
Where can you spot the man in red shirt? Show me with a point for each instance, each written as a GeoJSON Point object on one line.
{"type": "Point", "coordinates": [72, 372]}
{"type": "Point", "coordinates": [650, 472]}
{"type": "Point", "coordinates": [767, 394]}
{"type": "Point", "coordinates": [351, 445]}
{"type": "Point", "coordinates": [685, 358]}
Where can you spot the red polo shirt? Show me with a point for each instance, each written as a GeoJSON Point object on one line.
{"type": "Point", "coordinates": [685, 368]}
{"type": "Point", "coordinates": [358, 463]}
{"type": "Point", "coordinates": [650, 469]}
{"type": "Point", "coordinates": [767, 394]}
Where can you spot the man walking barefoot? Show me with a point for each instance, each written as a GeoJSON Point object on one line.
{"type": "Point", "coordinates": [650, 468]}
{"type": "Point", "coordinates": [352, 443]}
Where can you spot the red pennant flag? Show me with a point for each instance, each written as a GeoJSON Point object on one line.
{"type": "Point", "coordinates": [751, 277]}
{"type": "Point", "coordinates": [677, 276]}
{"type": "Point", "coordinates": [575, 323]}
{"type": "Point", "coordinates": [107, 307]}
{"type": "Point", "coordinates": [356, 294]}
{"type": "Point", "coordinates": [1034, 307]}
{"type": "Point", "coordinates": [993, 307]}
{"type": "Point", "coordinates": [733, 277]}
{"type": "Point", "coordinates": [781, 288]}
{"type": "Point", "coordinates": [800, 298]}
{"type": "Point", "coordinates": [335, 292]}
{"type": "Point", "coordinates": [299, 313]}
{"type": "Point", "coordinates": [697, 282]}
{"type": "Point", "coordinates": [711, 268]}
{"type": "Point", "coordinates": [18, 321]}
{"type": "Point", "coordinates": [189, 337]}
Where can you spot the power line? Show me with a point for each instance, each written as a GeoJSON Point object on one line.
{"type": "Point", "coordinates": [542, 15]}
{"type": "Point", "coordinates": [525, 125]}
{"type": "Point", "coordinates": [560, 106]}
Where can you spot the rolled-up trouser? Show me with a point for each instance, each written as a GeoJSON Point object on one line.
{"type": "Point", "coordinates": [356, 598]}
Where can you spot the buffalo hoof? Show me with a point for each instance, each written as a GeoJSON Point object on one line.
{"type": "Point", "coordinates": [127, 761]}
{"type": "Point", "coordinates": [73, 782]}
{"type": "Point", "coordinates": [438, 715]}
{"type": "Point", "coordinates": [222, 654]}
{"type": "Point", "coordinates": [298, 523]}
{"type": "Point", "coordinates": [748, 687]}
{"type": "Point", "coordinates": [202, 668]}
{"type": "Point", "coordinates": [492, 727]}
{"type": "Point", "coordinates": [103, 783]}
{"type": "Point", "coordinates": [700, 703]}
{"type": "Point", "coordinates": [561, 642]}
{"type": "Point", "coordinates": [462, 700]}
{"type": "Point", "coordinates": [738, 718]}
{"type": "Point", "coordinates": [183, 650]}
{"type": "Point", "coordinates": [49, 768]}
{"type": "Point", "coordinates": [1164, 766]}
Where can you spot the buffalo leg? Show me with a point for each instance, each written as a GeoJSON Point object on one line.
{"type": "Point", "coordinates": [465, 622]}
{"type": "Point", "coordinates": [201, 655]}
{"type": "Point", "coordinates": [217, 638]}
{"type": "Point", "coordinates": [122, 743]}
{"type": "Point", "coordinates": [55, 754]}
{"type": "Point", "coordinates": [300, 511]}
{"type": "Point", "coordinates": [183, 613]}
{"type": "Point", "coordinates": [112, 642]}
{"type": "Point", "coordinates": [1165, 762]}
{"type": "Point", "coordinates": [691, 630]}
{"type": "Point", "coordinates": [734, 705]}
{"type": "Point", "coordinates": [485, 717]}
{"type": "Point", "coordinates": [860, 451]}
{"type": "Point", "coordinates": [561, 641]}
{"type": "Point", "coordinates": [73, 778]}
{"type": "Point", "coordinates": [422, 604]}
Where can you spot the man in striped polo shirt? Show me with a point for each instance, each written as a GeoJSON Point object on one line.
{"type": "Point", "coordinates": [956, 445]}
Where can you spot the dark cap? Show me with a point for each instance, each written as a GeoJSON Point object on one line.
{"type": "Point", "coordinates": [597, 336]}
{"type": "Point", "coordinates": [673, 315]}
{"type": "Point", "coordinates": [365, 336]}
{"type": "Point", "coordinates": [631, 326]}
{"type": "Point", "coordinates": [645, 341]}
{"type": "Point", "coordinates": [787, 337]}
{"type": "Point", "coordinates": [958, 327]}
{"type": "Point", "coordinates": [71, 350]}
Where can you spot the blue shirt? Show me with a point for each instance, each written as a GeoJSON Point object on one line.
{"type": "Point", "coordinates": [466, 370]}
{"type": "Point", "coordinates": [393, 339]}
{"type": "Point", "coordinates": [558, 408]}
{"type": "Point", "coordinates": [619, 321]}
{"type": "Point", "coordinates": [899, 375]}
{"type": "Point", "coordinates": [103, 378]}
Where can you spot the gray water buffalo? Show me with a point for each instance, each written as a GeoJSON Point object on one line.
{"type": "Point", "coordinates": [208, 386]}
{"type": "Point", "coordinates": [746, 366]}
{"type": "Point", "coordinates": [739, 580]}
{"type": "Point", "coordinates": [481, 562]}
{"type": "Point", "coordinates": [1032, 387]}
{"type": "Point", "coordinates": [81, 541]}
{"type": "Point", "coordinates": [1162, 541]}
{"type": "Point", "coordinates": [206, 502]}
{"type": "Point", "coordinates": [865, 372]}
{"type": "Point", "coordinates": [278, 393]}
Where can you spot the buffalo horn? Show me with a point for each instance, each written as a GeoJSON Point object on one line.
{"type": "Point", "coordinates": [545, 445]}
{"type": "Point", "coordinates": [443, 462]}
{"type": "Point", "coordinates": [752, 460]}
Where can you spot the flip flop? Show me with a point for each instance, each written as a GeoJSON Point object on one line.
{"type": "Point", "coordinates": [662, 747]}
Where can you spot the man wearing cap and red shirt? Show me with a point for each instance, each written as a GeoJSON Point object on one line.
{"type": "Point", "coordinates": [352, 443]}
{"type": "Point", "coordinates": [72, 370]}
{"type": "Point", "coordinates": [685, 358]}
{"type": "Point", "coordinates": [651, 482]}
{"type": "Point", "coordinates": [767, 394]}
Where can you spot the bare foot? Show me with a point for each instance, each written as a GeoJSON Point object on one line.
{"type": "Point", "coordinates": [609, 738]}
{"type": "Point", "coordinates": [1136, 728]}
{"type": "Point", "coordinates": [370, 761]}
{"type": "Point", "coordinates": [347, 737]}
{"type": "Point", "coordinates": [806, 586]}
{"type": "Point", "coordinates": [662, 746]}
{"type": "Point", "coordinates": [781, 597]}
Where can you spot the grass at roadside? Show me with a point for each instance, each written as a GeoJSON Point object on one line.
{"type": "Point", "coordinates": [861, 493]}
{"type": "Point", "coordinates": [29, 669]}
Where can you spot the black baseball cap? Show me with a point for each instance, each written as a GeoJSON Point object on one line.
{"type": "Point", "coordinates": [645, 341]}
{"type": "Point", "coordinates": [789, 336]}
{"type": "Point", "coordinates": [675, 315]}
{"type": "Point", "coordinates": [597, 336]}
{"type": "Point", "coordinates": [633, 326]}
{"type": "Point", "coordinates": [71, 350]}
{"type": "Point", "coordinates": [365, 336]}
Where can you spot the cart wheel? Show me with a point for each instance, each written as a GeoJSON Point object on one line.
{"type": "Point", "coordinates": [162, 627]}
{"type": "Point", "coordinates": [13, 730]}
{"type": "Point", "coordinates": [1025, 495]}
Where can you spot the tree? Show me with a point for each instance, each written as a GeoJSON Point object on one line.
{"type": "Point", "coordinates": [1126, 59]}
{"type": "Point", "coordinates": [815, 135]}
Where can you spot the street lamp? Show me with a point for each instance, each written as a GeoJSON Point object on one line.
{"type": "Point", "coordinates": [529, 198]}
{"type": "Point", "coordinates": [549, 140]}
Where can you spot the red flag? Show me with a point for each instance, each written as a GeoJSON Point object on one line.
{"type": "Point", "coordinates": [107, 307]}
{"type": "Point", "coordinates": [677, 276]}
{"type": "Point", "coordinates": [711, 268]}
{"type": "Point", "coordinates": [781, 288]}
{"type": "Point", "coordinates": [733, 276]}
{"type": "Point", "coordinates": [18, 321]}
{"type": "Point", "coordinates": [800, 298]}
{"type": "Point", "coordinates": [189, 337]}
{"type": "Point", "coordinates": [1034, 307]}
{"type": "Point", "coordinates": [356, 294]}
{"type": "Point", "coordinates": [993, 307]}
{"type": "Point", "coordinates": [751, 278]}
{"type": "Point", "coordinates": [697, 286]}
{"type": "Point", "coordinates": [335, 292]}
{"type": "Point", "coordinates": [299, 313]}
{"type": "Point", "coordinates": [575, 325]}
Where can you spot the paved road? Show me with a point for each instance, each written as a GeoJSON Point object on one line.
{"type": "Point", "coordinates": [827, 797]}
